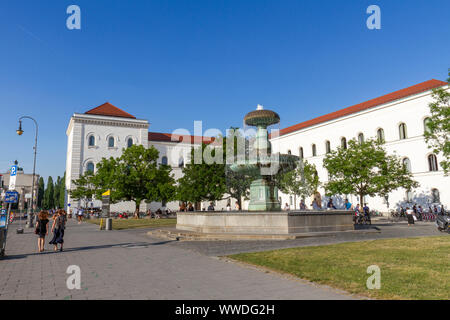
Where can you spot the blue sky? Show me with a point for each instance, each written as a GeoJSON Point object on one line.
{"type": "Point", "coordinates": [173, 62]}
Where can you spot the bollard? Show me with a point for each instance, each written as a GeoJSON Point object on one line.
{"type": "Point", "coordinates": [108, 225]}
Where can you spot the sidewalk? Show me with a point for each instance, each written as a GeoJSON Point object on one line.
{"type": "Point", "coordinates": [129, 265]}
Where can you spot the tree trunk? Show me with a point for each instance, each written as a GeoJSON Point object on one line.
{"type": "Point", "coordinates": [361, 200]}
{"type": "Point", "coordinates": [136, 212]}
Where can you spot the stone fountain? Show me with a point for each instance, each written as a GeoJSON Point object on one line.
{"type": "Point", "coordinates": [264, 218]}
{"type": "Point", "coordinates": [263, 191]}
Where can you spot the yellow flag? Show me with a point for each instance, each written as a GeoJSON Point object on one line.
{"type": "Point", "coordinates": [107, 193]}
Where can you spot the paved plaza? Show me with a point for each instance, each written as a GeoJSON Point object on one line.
{"type": "Point", "coordinates": [128, 264]}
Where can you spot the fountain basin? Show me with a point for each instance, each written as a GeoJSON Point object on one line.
{"type": "Point", "coordinates": [265, 222]}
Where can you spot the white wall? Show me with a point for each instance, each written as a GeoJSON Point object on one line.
{"type": "Point", "coordinates": [411, 111]}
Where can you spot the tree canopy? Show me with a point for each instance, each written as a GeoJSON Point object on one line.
{"type": "Point", "coordinates": [202, 181]}
{"type": "Point", "coordinates": [302, 182]}
{"type": "Point", "coordinates": [134, 176]}
{"type": "Point", "coordinates": [364, 169]}
{"type": "Point", "coordinates": [437, 131]}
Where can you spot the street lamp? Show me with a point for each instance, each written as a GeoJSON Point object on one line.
{"type": "Point", "coordinates": [20, 132]}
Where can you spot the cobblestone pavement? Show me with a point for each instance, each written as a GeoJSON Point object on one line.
{"type": "Point", "coordinates": [129, 265]}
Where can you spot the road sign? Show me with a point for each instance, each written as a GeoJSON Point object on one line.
{"type": "Point", "coordinates": [11, 197]}
{"type": "Point", "coordinates": [105, 204]}
{"type": "Point", "coordinates": [12, 178]}
{"type": "Point", "coordinates": [28, 196]}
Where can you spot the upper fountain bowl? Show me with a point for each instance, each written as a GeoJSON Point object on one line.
{"type": "Point", "coordinates": [261, 117]}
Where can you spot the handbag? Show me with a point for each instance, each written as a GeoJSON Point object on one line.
{"type": "Point", "coordinates": [36, 231]}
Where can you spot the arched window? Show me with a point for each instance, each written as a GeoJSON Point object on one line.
{"type": "Point", "coordinates": [90, 167]}
{"type": "Point", "coordinates": [435, 195]}
{"type": "Point", "coordinates": [181, 163]}
{"type": "Point", "coordinates": [300, 152]}
{"type": "Point", "coordinates": [407, 164]}
{"type": "Point", "coordinates": [344, 143]}
{"type": "Point", "coordinates": [314, 150]}
{"type": "Point", "coordinates": [380, 135]}
{"type": "Point", "coordinates": [327, 146]}
{"type": "Point", "coordinates": [129, 142]}
{"type": "Point", "coordinates": [91, 142]}
{"type": "Point", "coordinates": [432, 163]}
{"type": "Point", "coordinates": [402, 131]}
{"type": "Point", "coordinates": [426, 125]}
{"type": "Point", "coordinates": [111, 142]}
{"type": "Point", "coordinates": [164, 160]}
{"type": "Point", "coordinates": [361, 138]}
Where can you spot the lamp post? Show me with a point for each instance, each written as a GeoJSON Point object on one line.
{"type": "Point", "coordinates": [20, 132]}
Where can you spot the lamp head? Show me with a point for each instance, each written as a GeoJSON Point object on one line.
{"type": "Point", "coordinates": [20, 131]}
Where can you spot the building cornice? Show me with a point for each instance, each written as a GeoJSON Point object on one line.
{"type": "Point", "coordinates": [107, 121]}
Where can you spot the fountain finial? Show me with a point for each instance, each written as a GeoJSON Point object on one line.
{"type": "Point", "coordinates": [259, 107]}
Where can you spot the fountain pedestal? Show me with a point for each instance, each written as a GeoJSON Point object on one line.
{"type": "Point", "coordinates": [263, 196]}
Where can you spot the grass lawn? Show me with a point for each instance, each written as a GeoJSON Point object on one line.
{"type": "Point", "coordinates": [412, 268]}
{"type": "Point", "coordinates": [130, 223]}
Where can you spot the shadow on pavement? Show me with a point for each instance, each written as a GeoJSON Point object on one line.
{"type": "Point", "coordinates": [119, 245]}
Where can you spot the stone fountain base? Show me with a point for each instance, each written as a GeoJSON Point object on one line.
{"type": "Point", "coordinates": [263, 197]}
{"type": "Point", "coordinates": [273, 223]}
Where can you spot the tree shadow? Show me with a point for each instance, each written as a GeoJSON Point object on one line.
{"type": "Point", "coordinates": [86, 248]}
{"type": "Point", "coordinates": [422, 199]}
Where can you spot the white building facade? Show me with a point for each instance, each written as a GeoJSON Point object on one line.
{"type": "Point", "coordinates": [398, 118]}
{"type": "Point", "coordinates": [104, 132]}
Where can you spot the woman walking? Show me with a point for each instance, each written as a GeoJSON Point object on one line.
{"type": "Point", "coordinates": [409, 215]}
{"type": "Point", "coordinates": [42, 229]}
{"type": "Point", "coordinates": [58, 226]}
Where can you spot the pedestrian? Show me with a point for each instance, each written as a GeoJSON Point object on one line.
{"type": "Point", "coordinates": [347, 205]}
{"type": "Point", "coordinates": [58, 227]}
{"type": "Point", "coordinates": [80, 215]}
{"type": "Point", "coordinates": [420, 212]}
{"type": "Point", "coordinates": [314, 205]}
{"type": "Point", "coordinates": [211, 207]}
{"type": "Point", "coordinates": [190, 207]}
{"type": "Point", "coordinates": [42, 229]}
{"type": "Point", "coordinates": [330, 204]}
{"type": "Point", "coordinates": [302, 204]}
{"type": "Point", "coordinates": [409, 215]}
{"type": "Point", "coordinates": [237, 206]}
{"type": "Point", "coordinates": [287, 207]}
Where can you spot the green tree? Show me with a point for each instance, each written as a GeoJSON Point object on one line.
{"type": "Point", "coordinates": [364, 169]}
{"type": "Point", "coordinates": [437, 133]}
{"type": "Point", "coordinates": [56, 191]}
{"type": "Point", "coordinates": [62, 192]}
{"type": "Point", "coordinates": [135, 176]}
{"type": "Point", "coordinates": [237, 182]}
{"type": "Point", "coordinates": [202, 181]}
{"type": "Point", "coordinates": [48, 194]}
{"type": "Point", "coordinates": [84, 188]}
{"type": "Point", "coordinates": [40, 195]}
{"type": "Point", "coordinates": [301, 182]}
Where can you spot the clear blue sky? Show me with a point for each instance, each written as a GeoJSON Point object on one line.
{"type": "Point", "coordinates": [173, 62]}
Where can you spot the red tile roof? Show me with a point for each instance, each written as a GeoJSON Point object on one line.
{"type": "Point", "coordinates": [107, 109]}
{"type": "Point", "coordinates": [403, 93]}
{"type": "Point", "coordinates": [168, 137]}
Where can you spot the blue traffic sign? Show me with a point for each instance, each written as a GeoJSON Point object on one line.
{"type": "Point", "coordinates": [13, 171]}
{"type": "Point", "coordinates": [11, 197]}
